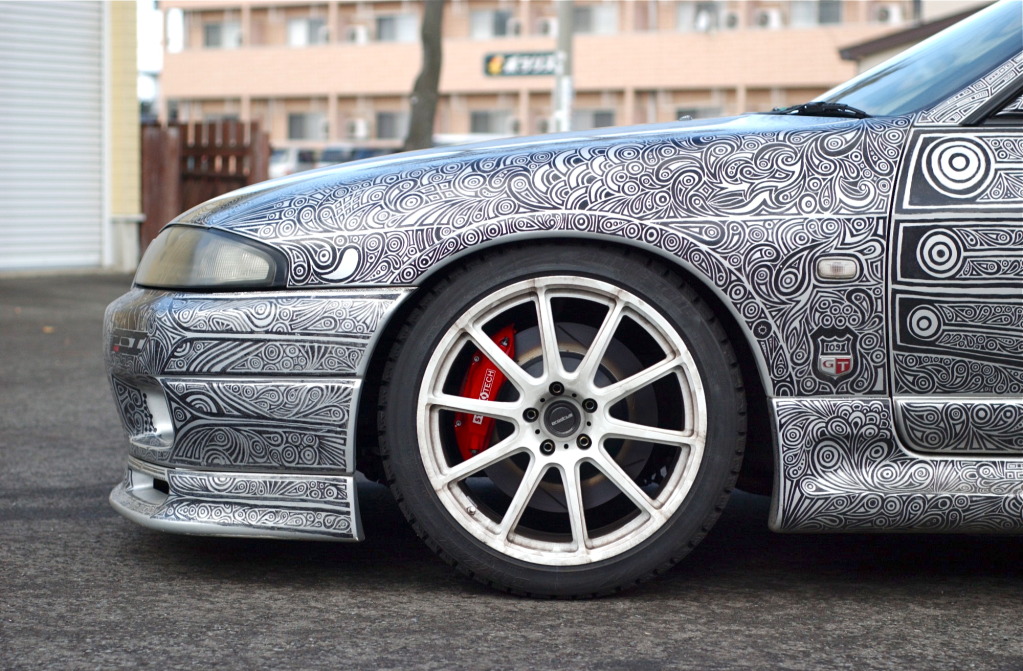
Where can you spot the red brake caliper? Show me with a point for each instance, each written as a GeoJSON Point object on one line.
{"type": "Point", "coordinates": [482, 381]}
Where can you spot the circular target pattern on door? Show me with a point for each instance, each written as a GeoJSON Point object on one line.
{"type": "Point", "coordinates": [940, 254]}
{"type": "Point", "coordinates": [958, 167]}
{"type": "Point", "coordinates": [924, 323]}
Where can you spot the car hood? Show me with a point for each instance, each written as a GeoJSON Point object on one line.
{"type": "Point", "coordinates": [229, 210]}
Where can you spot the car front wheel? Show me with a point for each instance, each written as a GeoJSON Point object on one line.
{"type": "Point", "coordinates": [562, 421]}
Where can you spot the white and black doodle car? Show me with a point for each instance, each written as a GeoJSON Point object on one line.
{"type": "Point", "coordinates": [561, 353]}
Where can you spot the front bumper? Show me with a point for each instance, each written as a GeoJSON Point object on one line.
{"type": "Point", "coordinates": [256, 392]}
{"type": "Point", "coordinates": [309, 507]}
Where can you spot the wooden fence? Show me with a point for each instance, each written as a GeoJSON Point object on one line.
{"type": "Point", "coordinates": [186, 164]}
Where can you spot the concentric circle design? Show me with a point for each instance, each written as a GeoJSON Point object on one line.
{"type": "Point", "coordinates": [958, 167]}
{"type": "Point", "coordinates": [924, 323]}
{"type": "Point", "coordinates": [940, 254]}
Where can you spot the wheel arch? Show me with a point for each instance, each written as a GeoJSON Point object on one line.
{"type": "Point", "coordinates": [758, 466]}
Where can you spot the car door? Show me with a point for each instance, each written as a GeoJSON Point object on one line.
{"type": "Point", "coordinates": [957, 287]}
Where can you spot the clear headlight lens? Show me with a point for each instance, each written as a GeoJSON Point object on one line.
{"type": "Point", "coordinates": [195, 258]}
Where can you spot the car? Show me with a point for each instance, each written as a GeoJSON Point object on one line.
{"type": "Point", "coordinates": [563, 353]}
{"type": "Point", "coordinates": [289, 160]}
{"type": "Point", "coordinates": [342, 153]}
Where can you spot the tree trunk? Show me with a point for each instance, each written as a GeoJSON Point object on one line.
{"type": "Point", "coordinates": [424, 93]}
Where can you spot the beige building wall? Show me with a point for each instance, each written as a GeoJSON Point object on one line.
{"type": "Point", "coordinates": [125, 159]}
{"type": "Point", "coordinates": [348, 76]}
{"type": "Point", "coordinates": [124, 111]}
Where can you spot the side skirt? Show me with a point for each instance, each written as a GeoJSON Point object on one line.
{"type": "Point", "coordinates": [840, 467]}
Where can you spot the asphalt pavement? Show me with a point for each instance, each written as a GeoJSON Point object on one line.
{"type": "Point", "coordinates": [82, 588]}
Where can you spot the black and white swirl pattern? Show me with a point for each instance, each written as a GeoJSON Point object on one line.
{"type": "Point", "coordinates": [257, 517]}
{"type": "Point", "coordinates": [954, 110]}
{"type": "Point", "coordinates": [324, 333]}
{"type": "Point", "coordinates": [133, 407]}
{"type": "Point", "coordinates": [982, 427]}
{"type": "Point", "coordinates": [334, 491]}
{"type": "Point", "coordinates": [844, 470]}
{"type": "Point", "coordinates": [751, 211]}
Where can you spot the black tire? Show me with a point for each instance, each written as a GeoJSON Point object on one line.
{"type": "Point", "coordinates": [579, 528]}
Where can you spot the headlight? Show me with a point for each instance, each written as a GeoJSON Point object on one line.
{"type": "Point", "coordinates": [200, 258]}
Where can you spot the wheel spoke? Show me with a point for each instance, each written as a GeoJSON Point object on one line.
{"type": "Point", "coordinates": [509, 411]}
{"type": "Point", "coordinates": [626, 485]}
{"type": "Point", "coordinates": [630, 385]}
{"type": "Point", "coordinates": [552, 366]}
{"type": "Point", "coordinates": [576, 507]}
{"type": "Point", "coordinates": [650, 434]}
{"type": "Point", "coordinates": [527, 487]}
{"type": "Point", "coordinates": [505, 363]}
{"type": "Point", "coordinates": [587, 370]}
{"type": "Point", "coordinates": [484, 459]}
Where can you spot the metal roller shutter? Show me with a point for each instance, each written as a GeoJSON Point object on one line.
{"type": "Point", "coordinates": [51, 134]}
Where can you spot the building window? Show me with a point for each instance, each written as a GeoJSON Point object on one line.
{"type": "Point", "coordinates": [829, 12]}
{"type": "Point", "coordinates": [397, 28]}
{"type": "Point", "coordinates": [697, 113]}
{"type": "Point", "coordinates": [307, 126]}
{"type": "Point", "coordinates": [305, 32]}
{"type": "Point", "coordinates": [391, 125]}
{"type": "Point", "coordinates": [222, 35]}
{"type": "Point", "coordinates": [492, 121]}
{"type": "Point", "coordinates": [486, 24]}
{"type": "Point", "coordinates": [816, 12]}
{"type": "Point", "coordinates": [590, 119]}
{"type": "Point", "coordinates": [595, 19]}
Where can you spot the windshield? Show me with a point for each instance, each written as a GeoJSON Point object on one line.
{"type": "Point", "coordinates": [925, 75]}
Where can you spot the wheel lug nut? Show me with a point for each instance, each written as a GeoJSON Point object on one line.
{"type": "Point", "coordinates": [584, 442]}
{"type": "Point", "coordinates": [547, 447]}
{"type": "Point", "coordinates": [589, 405]}
{"type": "Point", "coordinates": [530, 414]}
{"type": "Point", "coordinates": [557, 388]}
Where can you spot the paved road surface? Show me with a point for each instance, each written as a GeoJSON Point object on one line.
{"type": "Point", "coordinates": [82, 588]}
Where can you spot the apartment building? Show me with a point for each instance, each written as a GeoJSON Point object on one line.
{"type": "Point", "coordinates": [315, 73]}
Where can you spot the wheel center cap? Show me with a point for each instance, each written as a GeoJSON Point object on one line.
{"type": "Point", "coordinates": [561, 418]}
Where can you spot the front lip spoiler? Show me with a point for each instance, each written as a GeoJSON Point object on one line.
{"type": "Point", "coordinates": [249, 505]}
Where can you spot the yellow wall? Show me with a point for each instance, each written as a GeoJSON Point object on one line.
{"type": "Point", "coordinates": [124, 111]}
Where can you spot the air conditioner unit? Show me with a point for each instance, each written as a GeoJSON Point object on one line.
{"type": "Point", "coordinates": [888, 14]}
{"type": "Point", "coordinates": [547, 26]}
{"type": "Point", "coordinates": [323, 35]}
{"type": "Point", "coordinates": [543, 126]}
{"type": "Point", "coordinates": [358, 129]}
{"type": "Point", "coordinates": [512, 126]}
{"type": "Point", "coordinates": [704, 22]}
{"type": "Point", "coordinates": [770, 19]}
{"type": "Point", "coordinates": [731, 21]}
{"type": "Point", "coordinates": [514, 27]}
{"type": "Point", "coordinates": [357, 34]}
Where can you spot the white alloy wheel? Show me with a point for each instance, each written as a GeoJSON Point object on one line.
{"type": "Point", "coordinates": [562, 421]}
